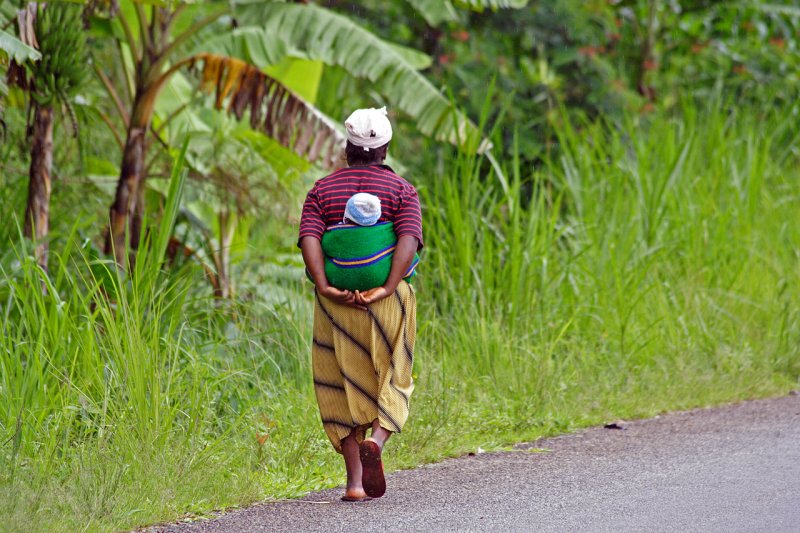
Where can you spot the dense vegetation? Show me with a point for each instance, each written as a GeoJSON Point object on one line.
{"type": "Point", "coordinates": [629, 245]}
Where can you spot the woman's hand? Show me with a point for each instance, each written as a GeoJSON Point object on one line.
{"type": "Point", "coordinates": [315, 263]}
{"type": "Point", "coordinates": [401, 260]}
{"type": "Point", "coordinates": [341, 297]}
{"type": "Point", "coordinates": [372, 295]}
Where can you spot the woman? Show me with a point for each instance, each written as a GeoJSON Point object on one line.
{"type": "Point", "coordinates": [363, 344]}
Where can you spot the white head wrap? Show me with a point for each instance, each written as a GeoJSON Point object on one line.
{"type": "Point", "coordinates": [363, 208]}
{"type": "Point", "coordinates": [368, 128]}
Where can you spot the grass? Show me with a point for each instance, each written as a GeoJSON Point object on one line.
{"type": "Point", "coordinates": [652, 265]}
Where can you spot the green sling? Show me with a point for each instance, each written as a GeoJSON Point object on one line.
{"type": "Point", "coordinates": [360, 257]}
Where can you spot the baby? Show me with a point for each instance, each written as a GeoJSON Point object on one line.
{"type": "Point", "coordinates": [358, 251]}
{"type": "Point", "coordinates": [363, 209]}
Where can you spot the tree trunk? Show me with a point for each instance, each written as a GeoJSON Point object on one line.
{"type": "Point", "coordinates": [37, 212]}
{"type": "Point", "coordinates": [647, 60]}
{"type": "Point", "coordinates": [227, 228]}
{"type": "Point", "coordinates": [127, 199]}
{"type": "Point", "coordinates": [136, 220]}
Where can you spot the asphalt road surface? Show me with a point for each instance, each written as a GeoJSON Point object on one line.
{"type": "Point", "coordinates": [729, 469]}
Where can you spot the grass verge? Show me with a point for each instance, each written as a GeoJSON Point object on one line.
{"type": "Point", "coordinates": [652, 266]}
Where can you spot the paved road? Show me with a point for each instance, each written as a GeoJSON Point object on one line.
{"type": "Point", "coordinates": [730, 469]}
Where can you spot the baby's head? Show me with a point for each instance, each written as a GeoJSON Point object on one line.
{"type": "Point", "coordinates": [363, 209]}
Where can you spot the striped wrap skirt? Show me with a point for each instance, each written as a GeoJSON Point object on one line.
{"type": "Point", "coordinates": [362, 363]}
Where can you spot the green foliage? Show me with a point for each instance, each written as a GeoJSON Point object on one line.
{"type": "Point", "coordinates": [299, 75]}
{"type": "Point", "coordinates": [437, 11]}
{"type": "Point", "coordinates": [312, 30]}
{"type": "Point", "coordinates": [250, 44]}
{"type": "Point", "coordinates": [634, 272]}
{"type": "Point", "coordinates": [434, 11]}
{"type": "Point", "coordinates": [235, 172]}
{"type": "Point", "coordinates": [480, 5]}
{"type": "Point", "coordinates": [671, 46]}
{"type": "Point", "coordinates": [15, 50]}
{"type": "Point", "coordinates": [629, 248]}
{"type": "Point", "coordinates": [607, 58]}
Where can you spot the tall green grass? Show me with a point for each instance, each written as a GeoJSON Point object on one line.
{"type": "Point", "coordinates": [653, 263]}
{"type": "Point", "coordinates": [650, 265]}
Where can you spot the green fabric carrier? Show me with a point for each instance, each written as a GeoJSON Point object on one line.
{"type": "Point", "coordinates": [360, 257]}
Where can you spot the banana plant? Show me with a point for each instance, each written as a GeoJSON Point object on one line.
{"type": "Point", "coordinates": [158, 40]}
{"type": "Point", "coordinates": [154, 44]}
{"type": "Point", "coordinates": [16, 50]}
{"type": "Point", "coordinates": [238, 174]}
{"type": "Point", "coordinates": [56, 33]}
{"type": "Point", "coordinates": [437, 11]}
{"type": "Point", "coordinates": [12, 49]}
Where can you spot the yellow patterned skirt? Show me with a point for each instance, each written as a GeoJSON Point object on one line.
{"type": "Point", "coordinates": [362, 363]}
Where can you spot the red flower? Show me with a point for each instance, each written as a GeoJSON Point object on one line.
{"type": "Point", "coordinates": [650, 64]}
{"type": "Point", "coordinates": [698, 47]}
{"type": "Point", "coordinates": [778, 43]}
{"type": "Point", "coordinates": [461, 35]}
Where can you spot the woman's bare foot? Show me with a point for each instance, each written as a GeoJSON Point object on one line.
{"type": "Point", "coordinates": [372, 476]}
{"type": "Point", "coordinates": [354, 490]}
{"type": "Point", "coordinates": [355, 494]}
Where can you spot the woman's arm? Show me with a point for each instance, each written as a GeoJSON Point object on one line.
{"type": "Point", "coordinates": [401, 260]}
{"type": "Point", "coordinates": [315, 263]}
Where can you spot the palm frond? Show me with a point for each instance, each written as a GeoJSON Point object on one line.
{"type": "Point", "coordinates": [480, 5]}
{"type": "Point", "coordinates": [273, 109]}
{"type": "Point", "coordinates": [321, 34]}
{"type": "Point", "coordinates": [435, 11]}
{"type": "Point", "coordinates": [16, 50]}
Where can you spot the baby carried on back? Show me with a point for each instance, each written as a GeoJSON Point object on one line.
{"type": "Point", "coordinates": [358, 251]}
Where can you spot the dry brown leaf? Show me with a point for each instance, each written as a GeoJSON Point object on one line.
{"type": "Point", "coordinates": [286, 117]}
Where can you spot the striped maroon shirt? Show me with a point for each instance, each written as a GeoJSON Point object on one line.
{"type": "Point", "coordinates": [325, 202]}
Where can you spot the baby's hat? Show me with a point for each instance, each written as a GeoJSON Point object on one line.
{"type": "Point", "coordinates": [362, 208]}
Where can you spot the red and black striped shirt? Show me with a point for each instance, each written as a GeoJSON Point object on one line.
{"type": "Point", "coordinates": [325, 202]}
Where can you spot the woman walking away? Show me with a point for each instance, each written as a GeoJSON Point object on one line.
{"type": "Point", "coordinates": [363, 345]}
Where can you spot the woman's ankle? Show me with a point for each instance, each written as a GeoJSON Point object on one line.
{"type": "Point", "coordinates": [380, 435]}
